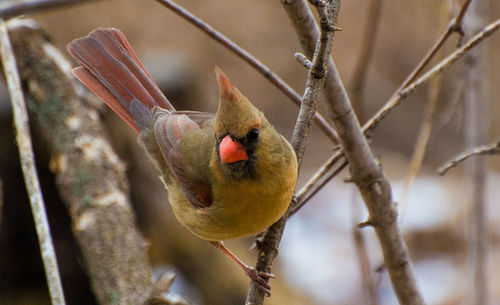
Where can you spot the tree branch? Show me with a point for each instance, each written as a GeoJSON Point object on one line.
{"type": "Point", "coordinates": [23, 138]}
{"type": "Point", "coordinates": [250, 59]}
{"type": "Point", "coordinates": [488, 149]}
{"type": "Point", "coordinates": [425, 129]}
{"type": "Point", "coordinates": [384, 111]}
{"type": "Point", "coordinates": [268, 247]}
{"type": "Point", "coordinates": [315, 79]}
{"type": "Point", "coordinates": [305, 27]}
{"type": "Point", "coordinates": [445, 63]}
{"type": "Point", "coordinates": [316, 183]}
{"type": "Point", "coordinates": [376, 192]}
{"type": "Point", "coordinates": [26, 7]}
{"type": "Point", "coordinates": [455, 25]}
{"type": "Point", "coordinates": [89, 175]}
{"type": "Point", "coordinates": [308, 32]}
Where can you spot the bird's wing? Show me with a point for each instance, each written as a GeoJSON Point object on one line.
{"type": "Point", "coordinates": [198, 117]}
{"type": "Point", "coordinates": [169, 130]}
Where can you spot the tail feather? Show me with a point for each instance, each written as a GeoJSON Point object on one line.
{"type": "Point", "coordinates": [104, 94]}
{"type": "Point", "coordinates": [117, 45]}
{"type": "Point", "coordinates": [112, 71]}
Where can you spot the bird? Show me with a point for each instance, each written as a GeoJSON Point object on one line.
{"type": "Point", "coordinates": [228, 175]}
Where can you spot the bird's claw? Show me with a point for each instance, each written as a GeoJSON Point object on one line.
{"type": "Point", "coordinates": [261, 278]}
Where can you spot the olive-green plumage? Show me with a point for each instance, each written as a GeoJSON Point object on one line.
{"type": "Point", "coordinates": [240, 206]}
{"type": "Point", "coordinates": [228, 175]}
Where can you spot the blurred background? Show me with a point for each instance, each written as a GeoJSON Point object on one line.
{"type": "Point", "coordinates": [318, 259]}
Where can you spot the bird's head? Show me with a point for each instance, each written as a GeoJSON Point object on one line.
{"type": "Point", "coordinates": [239, 129]}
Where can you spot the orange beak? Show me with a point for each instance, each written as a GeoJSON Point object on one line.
{"type": "Point", "coordinates": [231, 151]}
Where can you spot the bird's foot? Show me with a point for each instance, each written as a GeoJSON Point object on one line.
{"type": "Point", "coordinates": [261, 278]}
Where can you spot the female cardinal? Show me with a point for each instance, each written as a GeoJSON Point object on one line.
{"type": "Point", "coordinates": [227, 175]}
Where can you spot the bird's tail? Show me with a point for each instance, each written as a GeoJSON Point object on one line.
{"type": "Point", "coordinates": [111, 69]}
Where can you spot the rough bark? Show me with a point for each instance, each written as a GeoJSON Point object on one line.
{"type": "Point", "coordinates": [89, 175]}
{"type": "Point", "coordinates": [365, 170]}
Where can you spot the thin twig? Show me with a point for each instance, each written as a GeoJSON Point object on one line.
{"type": "Point", "coordinates": [314, 184]}
{"type": "Point", "coordinates": [367, 48]}
{"type": "Point", "coordinates": [305, 27]}
{"type": "Point", "coordinates": [301, 58]}
{"type": "Point", "coordinates": [454, 26]}
{"type": "Point", "coordinates": [445, 63]}
{"type": "Point", "coordinates": [25, 7]}
{"type": "Point", "coordinates": [28, 167]}
{"type": "Point", "coordinates": [425, 130]}
{"type": "Point", "coordinates": [252, 61]}
{"type": "Point", "coordinates": [488, 149]}
{"type": "Point", "coordinates": [268, 248]}
{"type": "Point", "coordinates": [423, 137]}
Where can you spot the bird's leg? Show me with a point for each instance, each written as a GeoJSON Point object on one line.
{"type": "Point", "coordinates": [260, 277]}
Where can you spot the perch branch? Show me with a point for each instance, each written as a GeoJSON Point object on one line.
{"type": "Point", "coordinates": [250, 59]}
{"type": "Point", "coordinates": [268, 247]}
{"type": "Point", "coordinates": [26, 7]}
{"type": "Point", "coordinates": [89, 175]}
{"type": "Point", "coordinates": [489, 149]}
{"type": "Point", "coordinates": [23, 138]}
{"type": "Point", "coordinates": [308, 32]}
{"type": "Point", "coordinates": [315, 78]}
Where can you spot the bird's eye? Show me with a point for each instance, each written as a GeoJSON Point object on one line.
{"type": "Point", "coordinates": [253, 134]}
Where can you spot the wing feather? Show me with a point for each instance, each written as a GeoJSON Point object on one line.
{"type": "Point", "coordinates": [169, 130]}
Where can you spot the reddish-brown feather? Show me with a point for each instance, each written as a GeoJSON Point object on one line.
{"type": "Point", "coordinates": [95, 86]}
{"type": "Point", "coordinates": [117, 48]}
{"type": "Point", "coordinates": [113, 72]}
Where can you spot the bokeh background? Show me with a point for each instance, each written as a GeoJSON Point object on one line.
{"type": "Point", "coordinates": [317, 263]}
